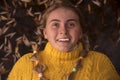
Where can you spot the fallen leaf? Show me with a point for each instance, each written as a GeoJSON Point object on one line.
{"type": "Point", "coordinates": [10, 34]}
{"type": "Point", "coordinates": [26, 1]}
{"type": "Point", "coordinates": [3, 18]}
{"type": "Point", "coordinates": [11, 21]}
{"type": "Point", "coordinates": [5, 29]}
{"type": "Point", "coordinates": [26, 41]}
{"type": "Point", "coordinates": [96, 2]}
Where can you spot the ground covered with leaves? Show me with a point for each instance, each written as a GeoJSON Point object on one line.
{"type": "Point", "coordinates": [20, 30]}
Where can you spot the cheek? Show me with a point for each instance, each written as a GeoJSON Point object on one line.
{"type": "Point", "coordinates": [49, 34]}
{"type": "Point", "coordinates": [78, 34]}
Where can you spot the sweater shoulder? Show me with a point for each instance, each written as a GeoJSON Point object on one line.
{"type": "Point", "coordinates": [25, 59]}
{"type": "Point", "coordinates": [26, 56]}
{"type": "Point", "coordinates": [96, 54]}
{"type": "Point", "coordinates": [103, 65]}
{"type": "Point", "coordinates": [99, 57]}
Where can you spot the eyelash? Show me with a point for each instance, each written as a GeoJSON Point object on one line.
{"type": "Point", "coordinates": [54, 25]}
{"type": "Point", "coordinates": [69, 24]}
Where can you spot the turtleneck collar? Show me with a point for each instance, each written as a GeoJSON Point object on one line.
{"type": "Point", "coordinates": [54, 53]}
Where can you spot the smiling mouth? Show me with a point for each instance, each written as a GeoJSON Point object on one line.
{"type": "Point", "coordinates": [63, 40]}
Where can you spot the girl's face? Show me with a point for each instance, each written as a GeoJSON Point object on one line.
{"type": "Point", "coordinates": [63, 29]}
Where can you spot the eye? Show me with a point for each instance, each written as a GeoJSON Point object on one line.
{"type": "Point", "coordinates": [71, 24]}
{"type": "Point", "coordinates": [55, 24]}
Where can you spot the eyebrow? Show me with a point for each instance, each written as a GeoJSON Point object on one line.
{"type": "Point", "coordinates": [54, 20]}
{"type": "Point", "coordinates": [72, 20]}
{"type": "Point", "coordinates": [59, 20]}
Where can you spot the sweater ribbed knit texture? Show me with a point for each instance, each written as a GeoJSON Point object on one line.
{"type": "Point", "coordinates": [95, 66]}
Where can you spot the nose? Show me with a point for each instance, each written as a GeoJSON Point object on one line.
{"type": "Point", "coordinates": [63, 30]}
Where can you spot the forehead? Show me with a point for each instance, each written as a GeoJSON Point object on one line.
{"type": "Point", "coordinates": [63, 13]}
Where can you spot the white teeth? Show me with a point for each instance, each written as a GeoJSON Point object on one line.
{"type": "Point", "coordinates": [66, 39]}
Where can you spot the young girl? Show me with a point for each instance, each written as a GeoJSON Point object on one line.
{"type": "Point", "coordinates": [66, 55]}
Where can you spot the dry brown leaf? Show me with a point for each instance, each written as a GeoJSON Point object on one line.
{"type": "Point", "coordinates": [20, 3]}
{"type": "Point", "coordinates": [29, 12]}
{"type": "Point", "coordinates": [14, 11]}
{"type": "Point", "coordinates": [19, 40]}
{"type": "Point", "coordinates": [9, 16]}
{"type": "Point", "coordinates": [14, 24]}
{"type": "Point", "coordinates": [46, 5]}
{"type": "Point", "coordinates": [5, 41]}
{"type": "Point", "coordinates": [118, 20]}
{"type": "Point", "coordinates": [0, 31]}
{"type": "Point", "coordinates": [2, 70]}
{"type": "Point", "coordinates": [10, 34]}
{"type": "Point", "coordinates": [39, 15]}
{"type": "Point", "coordinates": [105, 1]}
{"type": "Point", "coordinates": [51, 2]}
{"type": "Point", "coordinates": [1, 46]}
{"type": "Point", "coordinates": [39, 18]}
{"type": "Point", "coordinates": [17, 54]}
{"type": "Point", "coordinates": [26, 41]}
{"type": "Point", "coordinates": [3, 18]}
{"type": "Point", "coordinates": [5, 29]}
{"type": "Point", "coordinates": [6, 5]}
{"type": "Point", "coordinates": [11, 21]}
{"type": "Point", "coordinates": [4, 12]}
{"type": "Point", "coordinates": [13, 3]}
{"type": "Point", "coordinates": [16, 49]}
{"type": "Point", "coordinates": [79, 2]}
{"type": "Point", "coordinates": [4, 59]}
{"type": "Point", "coordinates": [34, 46]}
{"type": "Point", "coordinates": [26, 1]}
{"type": "Point", "coordinates": [97, 3]}
{"type": "Point", "coordinates": [41, 2]}
{"type": "Point", "coordinates": [38, 32]}
{"type": "Point", "coordinates": [39, 40]}
{"type": "Point", "coordinates": [118, 40]}
{"type": "Point", "coordinates": [14, 58]}
{"type": "Point", "coordinates": [8, 48]}
{"type": "Point", "coordinates": [95, 46]}
{"type": "Point", "coordinates": [89, 8]}
{"type": "Point", "coordinates": [36, 20]}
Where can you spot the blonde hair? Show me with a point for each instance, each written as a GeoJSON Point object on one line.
{"type": "Point", "coordinates": [61, 4]}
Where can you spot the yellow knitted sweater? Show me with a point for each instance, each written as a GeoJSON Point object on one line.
{"type": "Point", "coordinates": [95, 66]}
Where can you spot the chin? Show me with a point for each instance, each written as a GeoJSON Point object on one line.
{"type": "Point", "coordinates": [64, 50]}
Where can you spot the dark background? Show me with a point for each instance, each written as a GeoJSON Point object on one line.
{"type": "Point", "coordinates": [19, 26]}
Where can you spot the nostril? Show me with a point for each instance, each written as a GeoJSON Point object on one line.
{"type": "Point", "coordinates": [63, 32]}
